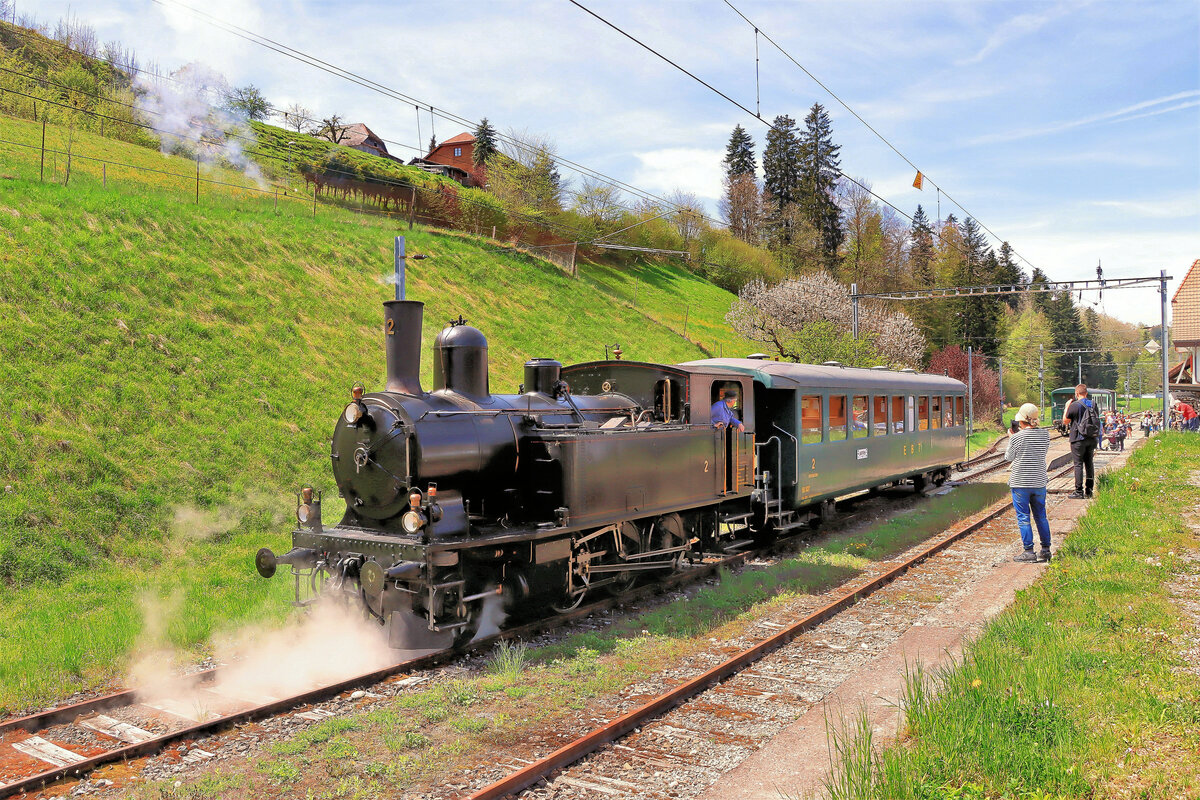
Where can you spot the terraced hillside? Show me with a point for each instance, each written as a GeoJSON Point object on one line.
{"type": "Point", "coordinates": [171, 369]}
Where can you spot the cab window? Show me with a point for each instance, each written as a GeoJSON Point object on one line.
{"type": "Point", "coordinates": [810, 419]}
{"type": "Point", "coordinates": [837, 418]}
{"type": "Point", "coordinates": [859, 427]}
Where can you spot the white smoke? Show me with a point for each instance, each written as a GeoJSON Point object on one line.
{"type": "Point", "coordinates": [191, 118]}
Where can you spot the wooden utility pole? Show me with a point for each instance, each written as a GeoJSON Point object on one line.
{"type": "Point", "coordinates": [42, 173]}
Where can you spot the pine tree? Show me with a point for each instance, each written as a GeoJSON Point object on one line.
{"type": "Point", "coordinates": [485, 143]}
{"type": "Point", "coordinates": [781, 165]}
{"type": "Point", "coordinates": [921, 253]}
{"type": "Point", "coordinates": [1040, 300]}
{"type": "Point", "coordinates": [1008, 273]}
{"type": "Point", "coordinates": [978, 317]}
{"type": "Point", "coordinates": [819, 174]}
{"type": "Point", "coordinates": [739, 154]}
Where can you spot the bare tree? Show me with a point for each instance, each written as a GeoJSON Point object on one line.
{"type": "Point", "coordinates": [599, 201]}
{"type": "Point", "coordinates": [331, 128]}
{"type": "Point", "coordinates": [809, 319]}
{"type": "Point", "coordinates": [296, 116]}
{"type": "Point", "coordinates": [742, 207]}
{"type": "Point", "coordinates": [688, 216]}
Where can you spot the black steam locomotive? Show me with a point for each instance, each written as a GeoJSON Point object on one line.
{"type": "Point", "coordinates": [590, 477]}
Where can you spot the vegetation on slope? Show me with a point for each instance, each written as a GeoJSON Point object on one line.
{"type": "Point", "coordinates": [170, 370]}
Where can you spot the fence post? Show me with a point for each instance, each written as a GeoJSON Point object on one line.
{"type": "Point", "coordinates": [314, 200]}
{"type": "Point", "coordinates": [42, 174]}
{"type": "Point", "coordinates": [574, 266]}
{"type": "Point", "coordinates": [493, 232]}
{"type": "Point", "coordinates": [686, 309]}
{"type": "Point", "coordinates": [276, 199]}
{"type": "Point", "coordinates": [412, 207]}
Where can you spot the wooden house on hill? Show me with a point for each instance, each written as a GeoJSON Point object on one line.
{"type": "Point", "coordinates": [360, 137]}
{"type": "Point", "coordinates": [1185, 336]}
{"type": "Point", "coordinates": [454, 159]}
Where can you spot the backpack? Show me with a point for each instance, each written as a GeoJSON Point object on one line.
{"type": "Point", "coordinates": [1088, 423]}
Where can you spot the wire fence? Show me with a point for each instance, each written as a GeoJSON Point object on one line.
{"type": "Point", "coordinates": [424, 205]}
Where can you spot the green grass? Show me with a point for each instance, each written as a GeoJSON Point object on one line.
{"type": "Point", "coordinates": [1079, 689]}
{"type": "Point", "coordinates": [170, 371]}
{"type": "Point", "coordinates": [433, 733]}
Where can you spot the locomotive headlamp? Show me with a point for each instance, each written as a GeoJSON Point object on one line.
{"type": "Point", "coordinates": [353, 413]}
{"type": "Point", "coordinates": [303, 513]}
{"type": "Point", "coordinates": [412, 521]}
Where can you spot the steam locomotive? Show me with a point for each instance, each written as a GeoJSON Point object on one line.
{"type": "Point", "coordinates": [590, 477]}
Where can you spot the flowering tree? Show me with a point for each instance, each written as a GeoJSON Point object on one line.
{"type": "Point", "coordinates": [809, 319]}
{"type": "Point", "coordinates": [985, 381]}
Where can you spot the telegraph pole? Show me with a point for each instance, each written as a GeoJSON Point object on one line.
{"type": "Point", "coordinates": [1000, 373]}
{"type": "Point", "coordinates": [970, 393]}
{"type": "Point", "coordinates": [1041, 378]}
{"type": "Point", "coordinates": [1166, 403]}
{"type": "Point", "coordinates": [1080, 360]}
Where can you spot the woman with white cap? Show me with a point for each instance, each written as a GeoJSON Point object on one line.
{"type": "Point", "coordinates": [1027, 449]}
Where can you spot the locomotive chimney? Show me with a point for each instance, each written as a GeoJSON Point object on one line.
{"type": "Point", "coordinates": [402, 343]}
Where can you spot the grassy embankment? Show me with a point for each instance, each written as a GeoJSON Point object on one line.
{"type": "Point", "coordinates": [171, 370]}
{"type": "Point", "coordinates": [1081, 689]}
{"type": "Point", "coordinates": [428, 737]}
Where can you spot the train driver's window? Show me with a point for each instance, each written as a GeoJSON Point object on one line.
{"type": "Point", "coordinates": [859, 426]}
{"type": "Point", "coordinates": [879, 423]}
{"type": "Point", "coordinates": [935, 412]}
{"type": "Point", "coordinates": [810, 419]}
{"type": "Point", "coordinates": [718, 392]}
{"type": "Point", "coordinates": [837, 418]}
{"type": "Point", "coordinates": [958, 410]}
{"type": "Point", "coordinates": [898, 414]}
{"type": "Point", "coordinates": [922, 413]}
{"type": "Point", "coordinates": [948, 411]}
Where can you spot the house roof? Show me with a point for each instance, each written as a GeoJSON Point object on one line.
{"type": "Point", "coordinates": [462, 138]}
{"type": "Point", "coordinates": [358, 134]}
{"type": "Point", "coordinates": [1191, 271]}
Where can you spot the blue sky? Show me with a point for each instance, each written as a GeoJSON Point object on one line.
{"type": "Point", "coordinates": [1071, 129]}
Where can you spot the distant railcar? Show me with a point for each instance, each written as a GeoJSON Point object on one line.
{"type": "Point", "coordinates": [590, 476]}
{"type": "Point", "coordinates": [1105, 399]}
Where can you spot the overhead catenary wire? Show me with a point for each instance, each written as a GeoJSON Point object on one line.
{"type": "Point", "coordinates": [368, 83]}
{"type": "Point", "coordinates": [941, 191]}
{"type": "Point", "coordinates": [757, 116]}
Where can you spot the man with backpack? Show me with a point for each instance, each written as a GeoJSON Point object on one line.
{"type": "Point", "coordinates": [1083, 422]}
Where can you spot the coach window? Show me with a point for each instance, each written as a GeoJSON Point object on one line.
{"type": "Point", "coordinates": [898, 414]}
{"type": "Point", "coordinates": [935, 413]}
{"type": "Point", "coordinates": [922, 413]}
{"type": "Point", "coordinates": [837, 418]}
{"type": "Point", "coordinates": [859, 426]}
{"type": "Point", "coordinates": [879, 423]}
{"type": "Point", "coordinates": [912, 414]}
{"type": "Point", "coordinates": [958, 410]}
{"type": "Point", "coordinates": [810, 419]}
{"type": "Point", "coordinates": [948, 411]}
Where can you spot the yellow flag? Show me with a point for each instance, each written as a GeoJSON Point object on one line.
{"type": "Point", "coordinates": [919, 181]}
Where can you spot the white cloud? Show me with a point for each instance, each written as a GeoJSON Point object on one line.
{"type": "Point", "coordinates": [1018, 27]}
{"type": "Point", "coordinates": [690, 169]}
{"type": "Point", "coordinates": [1120, 115]}
{"type": "Point", "coordinates": [1181, 206]}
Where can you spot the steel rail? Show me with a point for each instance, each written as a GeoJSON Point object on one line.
{"type": "Point", "coordinates": [617, 728]}
{"type": "Point", "coordinates": [127, 697]}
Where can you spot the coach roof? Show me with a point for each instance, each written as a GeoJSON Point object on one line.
{"type": "Point", "coordinates": [786, 375]}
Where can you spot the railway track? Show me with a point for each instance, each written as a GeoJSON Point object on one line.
{"type": "Point", "coordinates": [613, 730]}
{"type": "Point", "coordinates": [71, 741]}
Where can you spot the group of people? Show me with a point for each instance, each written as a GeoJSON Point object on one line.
{"type": "Point", "coordinates": [1026, 449]}
{"type": "Point", "coordinates": [1116, 428]}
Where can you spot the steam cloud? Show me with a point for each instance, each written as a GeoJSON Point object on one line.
{"type": "Point", "coordinates": [190, 118]}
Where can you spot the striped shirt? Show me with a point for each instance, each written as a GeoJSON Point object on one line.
{"type": "Point", "coordinates": [1027, 449]}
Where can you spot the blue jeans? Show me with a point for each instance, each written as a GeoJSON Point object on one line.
{"type": "Point", "coordinates": [1026, 501]}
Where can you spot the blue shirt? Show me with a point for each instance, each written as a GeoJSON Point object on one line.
{"type": "Point", "coordinates": [723, 414]}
